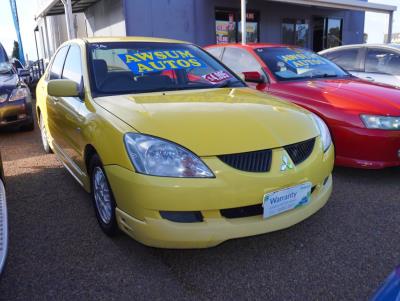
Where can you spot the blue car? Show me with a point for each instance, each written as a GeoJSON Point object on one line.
{"type": "Point", "coordinates": [3, 220]}
{"type": "Point", "coordinates": [390, 289]}
{"type": "Point", "coordinates": [15, 97]}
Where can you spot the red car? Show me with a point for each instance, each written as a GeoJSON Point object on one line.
{"type": "Point", "coordinates": [363, 117]}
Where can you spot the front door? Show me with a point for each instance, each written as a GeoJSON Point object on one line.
{"type": "Point", "coordinates": [73, 110]}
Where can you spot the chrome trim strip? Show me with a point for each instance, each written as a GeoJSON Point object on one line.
{"type": "Point", "coordinates": [61, 155]}
{"type": "Point", "coordinates": [3, 227]}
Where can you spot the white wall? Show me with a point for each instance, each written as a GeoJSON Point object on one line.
{"type": "Point", "coordinates": [106, 18]}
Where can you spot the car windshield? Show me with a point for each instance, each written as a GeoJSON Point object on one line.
{"type": "Point", "coordinates": [140, 67]}
{"type": "Point", "coordinates": [288, 63]}
{"type": "Point", "coordinates": [6, 69]}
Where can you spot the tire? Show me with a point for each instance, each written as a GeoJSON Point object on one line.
{"type": "Point", "coordinates": [45, 138]}
{"type": "Point", "coordinates": [28, 127]}
{"type": "Point", "coordinates": [102, 197]}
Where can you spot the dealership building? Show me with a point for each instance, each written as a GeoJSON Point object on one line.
{"type": "Point", "coordinates": [313, 24]}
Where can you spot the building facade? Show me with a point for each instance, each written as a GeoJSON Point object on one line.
{"type": "Point", "coordinates": [310, 24]}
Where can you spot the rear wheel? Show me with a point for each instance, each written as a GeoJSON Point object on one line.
{"type": "Point", "coordinates": [43, 134]}
{"type": "Point", "coordinates": [102, 197]}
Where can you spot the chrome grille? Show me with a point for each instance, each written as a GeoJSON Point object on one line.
{"type": "Point", "coordinates": [258, 161]}
{"type": "Point", "coordinates": [3, 226]}
{"type": "Point", "coordinates": [299, 152]}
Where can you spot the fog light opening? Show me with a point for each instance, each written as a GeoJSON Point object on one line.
{"type": "Point", "coordinates": [182, 216]}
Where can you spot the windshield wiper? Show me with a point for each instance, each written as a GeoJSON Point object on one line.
{"type": "Point", "coordinates": [324, 75]}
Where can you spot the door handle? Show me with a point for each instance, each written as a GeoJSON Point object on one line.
{"type": "Point", "coordinates": [370, 79]}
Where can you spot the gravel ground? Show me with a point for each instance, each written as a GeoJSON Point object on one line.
{"type": "Point", "coordinates": [57, 251]}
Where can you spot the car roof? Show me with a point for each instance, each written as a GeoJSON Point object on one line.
{"type": "Point", "coordinates": [127, 39]}
{"type": "Point", "coordinates": [253, 45]}
{"type": "Point", "coordinates": [389, 46]}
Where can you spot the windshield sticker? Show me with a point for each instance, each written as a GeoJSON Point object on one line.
{"type": "Point", "coordinates": [301, 60]}
{"type": "Point", "coordinates": [155, 61]}
{"type": "Point", "coordinates": [217, 77]}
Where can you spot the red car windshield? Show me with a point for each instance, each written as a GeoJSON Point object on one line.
{"type": "Point", "coordinates": [288, 63]}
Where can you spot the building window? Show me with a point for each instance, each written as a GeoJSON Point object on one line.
{"type": "Point", "coordinates": [333, 32]}
{"type": "Point", "coordinates": [327, 33]}
{"type": "Point", "coordinates": [295, 32]}
{"type": "Point", "coordinates": [228, 26]}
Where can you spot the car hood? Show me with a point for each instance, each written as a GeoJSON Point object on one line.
{"type": "Point", "coordinates": [8, 82]}
{"type": "Point", "coordinates": [214, 121]}
{"type": "Point", "coordinates": [354, 95]}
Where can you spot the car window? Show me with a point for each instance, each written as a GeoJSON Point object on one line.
{"type": "Point", "coordinates": [239, 60]}
{"type": "Point", "coordinates": [382, 61]}
{"type": "Point", "coordinates": [290, 63]}
{"type": "Point", "coordinates": [58, 63]}
{"type": "Point", "coordinates": [345, 58]}
{"type": "Point", "coordinates": [142, 67]}
{"type": "Point", "coordinates": [216, 51]}
{"type": "Point", "coordinates": [73, 66]}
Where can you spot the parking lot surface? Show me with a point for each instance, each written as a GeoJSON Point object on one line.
{"type": "Point", "coordinates": [57, 251]}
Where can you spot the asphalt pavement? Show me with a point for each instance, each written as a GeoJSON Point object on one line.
{"type": "Point", "coordinates": [57, 251]}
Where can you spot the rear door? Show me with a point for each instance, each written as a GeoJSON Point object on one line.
{"type": "Point", "coordinates": [383, 66]}
{"type": "Point", "coordinates": [54, 121]}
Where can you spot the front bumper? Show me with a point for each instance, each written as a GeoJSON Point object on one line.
{"type": "Point", "coordinates": [367, 148]}
{"type": "Point", "coordinates": [140, 199]}
{"type": "Point", "coordinates": [3, 227]}
{"type": "Point", "coordinates": [17, 113]}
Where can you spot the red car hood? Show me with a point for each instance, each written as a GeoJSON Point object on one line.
{"type": "Point", "coordinates": [350, 94]}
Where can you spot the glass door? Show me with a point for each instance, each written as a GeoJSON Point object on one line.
{"type": "Point", "coordinates": [327, 33]}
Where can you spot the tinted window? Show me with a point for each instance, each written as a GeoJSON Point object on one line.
{"type": "Point", "coordinates": [382, 61]}
{"type": "Point", "coordinates": [216, 51]}
{"type": "Point", "coordinates": [58, 63]}
{"type": "Point", "coordinates": [240, 60]}
{"type": "Point", "coordinates": [346, 58]}
{"type": "Point", "coordinates": [288, 63]}
{"type": "Point", "coordinates": [73, 66]}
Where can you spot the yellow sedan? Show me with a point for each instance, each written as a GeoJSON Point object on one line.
{"type": "Point", "coordinates": [175, 150]}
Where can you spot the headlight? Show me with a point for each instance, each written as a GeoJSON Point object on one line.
{"type": "Point", "coordinates": [324, 131]}
{"type": "Point", "coordinates": [18, 93]}
{"type": "Point", "coordinates": [381, 122]}
{"type": "Point", "coordinates": [158, 157]}
{"type": "Point", "coordinates": [3, 97]}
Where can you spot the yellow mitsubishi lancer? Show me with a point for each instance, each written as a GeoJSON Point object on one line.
{"type": "Point", "coordinates": [174, 148]}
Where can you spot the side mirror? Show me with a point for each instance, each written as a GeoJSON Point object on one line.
{"type": "Point", "coordinates": [254, 77]}
{"type": "Point", "coordinates": [62, 88]}
{"type": "Point", "coordinates": [23, 72]}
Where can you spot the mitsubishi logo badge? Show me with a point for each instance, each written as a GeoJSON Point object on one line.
{"type": "Point", "coordinates": [286, 164]}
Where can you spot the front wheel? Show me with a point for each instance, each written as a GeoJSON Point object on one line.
{"type": "Point", "coordinates": [102, 198]}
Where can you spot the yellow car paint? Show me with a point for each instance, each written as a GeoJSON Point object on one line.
{"type": "Point", "coordinates": [209, 123]}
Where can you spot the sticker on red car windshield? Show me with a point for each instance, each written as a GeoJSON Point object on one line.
{"type": "Point", "coordinates": [299, 60]}
{"type": "Point", "coordinates": [217, 77]}
{"type": "Point", "coordinates": [162, 60]}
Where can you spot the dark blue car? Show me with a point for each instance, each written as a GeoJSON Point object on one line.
{"type": "Point", "coordinates": [15, 97]}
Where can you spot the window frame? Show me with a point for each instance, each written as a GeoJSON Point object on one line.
{"type": "Point", "coordinates": [359, 58]}
{"type": "Point", "coordinates": [81, 84]}
{"type": "Point", "coordinates": [367, 49]}
{"type": "Point", "coordinates": [54, 58]}
{"type": "Point", "coordinates": [252, 55]}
